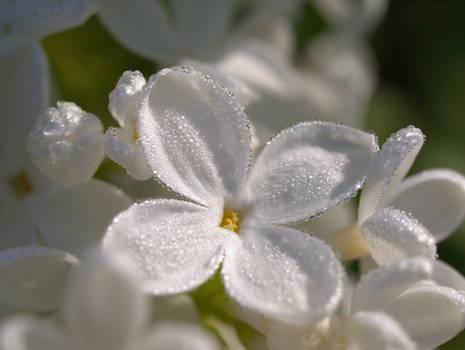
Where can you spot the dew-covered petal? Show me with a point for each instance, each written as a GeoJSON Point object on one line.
{"type": "Point", "coordinates": [391, 235]}
{"type": "Point", "coordinates": [308, 168]}
{"type": "Point", "coordinates": [74, 219]}
{"type": "Point", "coordinates": [430, 314]}
{"type": "Point", "coordinates": [318, 336]}
{"type": "Point", "coordinates": [195, 135]}
{"type": "Point", "coordinates": [24, 94]}
{"type": "Point", "coordinates": [176, 336]}
{"type": "Point", "coordinates": [66, 144]}
{"type": "Point", "coordinates": [23, 19]}
{"type": "Point", "coordinates": [30, 333]}
{"type": "Point", "coordinates": [435, 197]}
{"type": "Point", "coordinates": [394, 161]}
{"type": "Point", "coordinates": [202, 37]}
{"type": "Point", "coordinates": [33, 278]}
{"type": "Point", "coordinates": [284, 274]}
{"type": "Point", "coordinates": [105, 307]}
{"type": "Point", "coordinates": [122, 148]}
{"type": "Point", "coordinates": [380, 286]}
{"type": "Point", "coordinates": [176, 245]}
{"type": "Point", "coordinates": [446, 275]}
{"type": "Point", "coordinates": [241, 91]}
{"type": "Point", "coordinates": [146, 28]}
{"type": "Point", "coordinates": [376, 330]}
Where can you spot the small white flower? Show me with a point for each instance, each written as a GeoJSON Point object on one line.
{"type": "Point", "coordinates": [66, 144]}
{"type": "Point", "coordinates": [104, 310]}
{"type": "Point", "coordinates": [403, 218]}
{"type": "Point", "coordinates": [122, 145]}
{"type": "Point", "coordinates": [409, 304]}
{"type": "Point", "coordinates": [197, 142]}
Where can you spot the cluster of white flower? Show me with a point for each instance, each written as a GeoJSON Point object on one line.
{"type": "Point", "coordinates": [258, 234]}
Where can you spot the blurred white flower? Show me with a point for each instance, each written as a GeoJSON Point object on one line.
{"type": "Point", "coordinates": [409, 304]}
{"type": "Point", "coordinates": [398, 218]}
{"type": "Point", "coordinates": [66, 144]}
{"type": "Point", "coordinates": [104, 310]}
{"type": "Point", "coordinates": [197, 142]}
{"type": "Point", "coordinates": [23, 19]}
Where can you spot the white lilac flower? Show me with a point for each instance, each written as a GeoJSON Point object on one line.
{"type": "Point", "coordinates": [408, 304]}
{"type": "Point", "coordinates": [398, 218]}
{"type": "Point", "coordinates": [197, 142]}
{"type": "Point", "coordinates": [171, 30]}
{"type": "Point", "coordinates": [104, 309]}
{"type": "Point", "coordinates": [66, 144]}
{"type": "Point", "coordinates": [23, 19]}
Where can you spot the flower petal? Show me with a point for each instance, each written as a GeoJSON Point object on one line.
{"type": "Point", "coordinates": [392, 235]}
{"type": "Point", "coordinates": [430, 314]}
{"type": "Point", "coordinates": [25, 19]}
{"type": "Point", "coordinates": [376, 330]}
{"type": "Point", "coordinates": [30, 333]}
{"type": "Point", "coordinates": [33, 278]}
{"type": "Point", "coordinates": [174, 336]}
{"type": "Point", "coordinates": [105, 307]}
{"type": "Point", "coordinates": [284, 274]}
{"type": "Point", "coordinates": [177, 245]}
{"type": "Point", "coordinates": [435, 197]}
{"type": "Point", "coordinates": [380, 286]}
{"type": "Point", "coordinates": [446, 275]}
{"type": "Point", "coordinates": [73, 219]}
{"type": "Point", "coordinates": [24, 93]}
{"type": "Point", "coordinates": [394, 161]}
{"type": "Point", "coordinates": [202, 37]}
{"type": "Point", "coordinates": [146, 28]}
{"type": "Point", "coordinates": [308, 168]}
{"type": "Point", "coordinates": [195, 135]}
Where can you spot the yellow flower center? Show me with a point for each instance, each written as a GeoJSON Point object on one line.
{"type": "Point", "coordinates": [230, 221]}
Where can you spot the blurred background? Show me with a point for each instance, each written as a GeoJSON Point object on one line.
{"type": "Point", "coordinates": [420, 49]}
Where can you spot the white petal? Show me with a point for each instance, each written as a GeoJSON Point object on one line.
{"type": "Point", "coordinates": [127, 153]}
{"type": "Point", "coordinates": [30, 333]}
{"type": "Point", "coordinates": [319, 336]}
{"type": "Point", "coordinates": [105, 307]}
{"type": "Point", "coordinates": [73, 219]}
{"type": "Point", "coordinates": [25, 19]}
{"type": "Point", "coordinates": [34, 278]}
{"type": "Point", "coordinates": [176, 336]}
{"type": "Point", "coordinates": [177, 245]}
{"type": "Point", "coordinates": [178, 308]}
{"type": "Point", "coordinates": [435, 197]}
{"type": "Point", "coordinates": [243, 94]}
{"type": "Point", "coordinates": [284, 274]}
{"type": "Point", "coordinates": [125, 96]}
{"type": "Point", "coordinates": [146, 28]}
{"type": "Point", "coordinates": [394, 161]}
{"type": "Point", "coordinates": [309, 168]}
{"type": "Point", "coordinates": [202, 37]}
{"type": "Point", "coordinates": [431, 315]}
{"type": "Point", "coordinates": [446, 275]}
{"type": "Point", "coordinates": [380, 286]}
{"type": "Point", "coordinates": [376, 330]}
{"type": "Point", "coordinates": [24, 93]}
{"type": "Point", "coordinates": [195, 135]}
{"type": "Point", "coordinates": [392, 235]}
{"type": "Point", "coordinates": [66, 144]}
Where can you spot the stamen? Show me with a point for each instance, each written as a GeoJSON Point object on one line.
{"type": "Point", "coordinates": [21, 185]}
{"type": "Point", "coordinates": [230, 221]}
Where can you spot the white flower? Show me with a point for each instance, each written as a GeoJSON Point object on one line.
{"type": "Point", "coordinates": [409, 304]}
{"type": "Point", "coordinates": [66, 144]}
{"type": "Point", "coordinates": [24, 19]}
{"type": "Point", "coordinates": [196, 140]}
{"type": "Point", "coordinates": [104, 309]}
{"type": "Point", "coordinates": [122, 145]}
{"type": "Point", "coordinates": [398, 218]}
